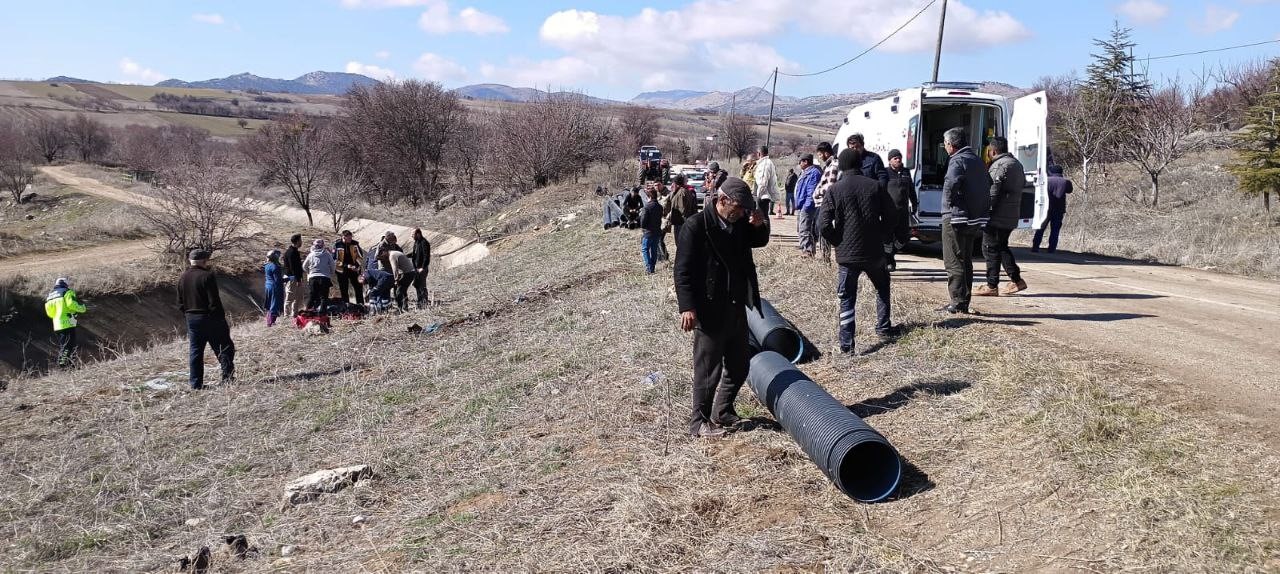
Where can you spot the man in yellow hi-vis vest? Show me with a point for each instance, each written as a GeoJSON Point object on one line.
{"type": "Point", "coordinates": [62, 306]}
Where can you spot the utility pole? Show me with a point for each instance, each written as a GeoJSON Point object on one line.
{"type": "Point", "coordinates": [773, 97]}
{"type": "Point", "coordinates": [937, 54]}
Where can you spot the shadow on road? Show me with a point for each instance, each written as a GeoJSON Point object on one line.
{"type": "Point", "coordinates": [1094, 295]}
{"type": "Point", "coordinates": [1092, 317]}
{"type": "Point", "coordinates": [957, 322]}
{"type": "Point", "coordinates": [903, 395]}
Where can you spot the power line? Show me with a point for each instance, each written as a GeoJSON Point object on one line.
{"type": "Point", "coordinates": [868, 50]}
{"type": "Point", "coordinates": [1165, 57]}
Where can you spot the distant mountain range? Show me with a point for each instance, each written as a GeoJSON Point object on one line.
{"type": "Point", "coordinates": [504, 93]}
{"type": "Point", "coordinates": [756, 100]}
{"type": "Point", "coordinates": [313, 83]}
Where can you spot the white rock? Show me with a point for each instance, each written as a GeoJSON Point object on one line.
{"type": "Point", "coordinates": [288, 550]}
{"type": "Point", "coordinates": [358, 520]}
{"type": "Point", "coordinates": [194, 521]}
{"type": "Point", "coordinates": [311, 486]}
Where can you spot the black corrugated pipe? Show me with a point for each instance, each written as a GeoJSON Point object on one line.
{"type": "Point", "coordinates": [859, 460]}
{"type": "Point", "coordinates": [772, 332]}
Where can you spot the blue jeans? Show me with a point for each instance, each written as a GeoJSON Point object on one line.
{"type": "Point", "coordinates": [847, 291]}
{"type": "Point", "coordinates": [209, 330]}
{"type": "Point", "coordinates": [649, 249]}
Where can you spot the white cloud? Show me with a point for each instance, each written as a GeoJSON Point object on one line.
{"type": "Point", "coordinates": [137, 73]}
{"type": "Point", "coordinates": [967, 29]}
{"type": "Point", "coordinates": [1216, 19]}
{"type": "Point", "coordinates": [1143, 11]}
{"type": "Point", "coordinates": [382, 54]}
{"type": "Point", "coordinates": [375, 72]}
{"type": "Point", "coordinates": [215, 19]}
{"type": "Point", "coordinates": [438, 68]}
{"type": "Point", "coordinates": [439, 19]}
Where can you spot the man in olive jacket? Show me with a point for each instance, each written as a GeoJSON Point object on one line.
{"type": "Point", "coordinates": [1007, 182]}
{"type": "Point", "coordinates": [966, 206]}
{"type": "Point", "coordinates": [715, 282]}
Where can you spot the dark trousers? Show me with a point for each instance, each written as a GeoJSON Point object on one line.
{"type": "Point", "coordinates": [402, 289]}
{"type": "Point", "coordinates": [791, 203]}
{"type": "Point", "coordinates": [995, 248]}
{"type": "Point", "coordinates": [1054, 223]}
{"type": "Point", "coordinates": [213, 331]}
{"type": "Point", "coordinates": [350, 281]}
{"type": "Point", "coordinates": [420, 287]}
{"type": "Point", "coordinates": [847, 291]}
{"type": "Point", "coordinates": [66, 346]}
{"type": "Point", "coordinates": [720, 361]}
{"type": "Point", "coordinates": [957, 257]}
{"type": "Point", "coordinates": [766, 206]}
{"type": "Point", "coordinates": [319, 291]}
{"type": "Point", "coordinates": [900, 237]}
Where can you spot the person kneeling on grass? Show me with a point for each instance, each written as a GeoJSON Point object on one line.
{"type": "Point", "coordinates": [319, 268]}
{"type": "Point", "coordinates": [403, 272]}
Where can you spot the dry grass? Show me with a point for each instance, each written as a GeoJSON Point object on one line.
{"type": "Point", "coordinates": [63, 219]}
{"type": "Point", "coordinates": [1202, 221]}
{"type": "Point", "coordinates": [520, 437]}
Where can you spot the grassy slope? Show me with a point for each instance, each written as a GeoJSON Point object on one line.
{"type": "Point", "coordinates": [64, 219]}
{"type": "Point", "coordinates": [520, 437]}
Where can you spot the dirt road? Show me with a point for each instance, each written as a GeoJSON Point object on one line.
{"type": "Point", "coordinates": [1216, 336]}
{"type": "Point", "coordinates": [452, 251]}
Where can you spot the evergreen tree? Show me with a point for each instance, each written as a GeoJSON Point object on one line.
{"type": "Point", "coordinates": [1113, 71]}
{"type": "Point", "coordinates": [1258, 146]}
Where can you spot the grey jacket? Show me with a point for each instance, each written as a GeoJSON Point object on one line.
{"type": "Point", "coordinates": [1007, 182]}
{"type": "Point", "coordinates": [965, 199]}
{"type": "Point", "coordinates": [319, 264]}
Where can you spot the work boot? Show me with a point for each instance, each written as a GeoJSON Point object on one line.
{"type": "Point", "coordinates": [729, 421]}
{"type": "Point", "coordinates": [952, 309]}
{"type": "Point", "coordinates": [1012, 287]}
{"type": "Point", "coordinates": [707, 430]}
{"type": "Point", "coordinates": [986, 291]}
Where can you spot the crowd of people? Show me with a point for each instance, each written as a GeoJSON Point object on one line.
{"type": "Point", "coordinates": [852, 204]}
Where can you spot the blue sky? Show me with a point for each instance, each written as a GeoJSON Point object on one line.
{"type": "Point", "coordinates": [612, 49]}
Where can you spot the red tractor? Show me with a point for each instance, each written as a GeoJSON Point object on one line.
{"type": "Point", "coordinates": [653, 167]}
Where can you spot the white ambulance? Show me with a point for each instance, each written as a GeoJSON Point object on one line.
{"type": "Point", "coordinates": [914, 120]}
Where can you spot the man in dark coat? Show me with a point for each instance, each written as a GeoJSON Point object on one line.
{"type": "Point", "coordinates": [790, 187]}
{"type": "Point", "coordinates": [857, 216]}
{"type": "Point", "coordinates": [421, 264]}
{"type": "Point", "coordinates": [1007, 183]}
{"type": "Point", "coordinates": [293, 275]}
{"type": "Point", "coordinates": [199, 300]}
{"type": "Point", "coordinates": [348, 259]}
{"type": "Point", "coordinates": [716, 282]}
{"type": "Point", "coordinates": [902, 190]}
{"type": "Point", "coordinates": [651, 224]}
{"type": "Point", "coordinates": [1059, 187]}
{"type": "Point", "coordinates": [966, 206]}
{"type": "Point", "coordinates": [868, 162]}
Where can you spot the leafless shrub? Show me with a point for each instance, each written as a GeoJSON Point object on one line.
{"type": "Point", "coordinates": [740, 135]}
{"type": "Point", "coordinates": [399, 133]}
{"type": "Point", "coordinates": [203, 206]}
{"type": "Point", "coordinates": [89, 136]}
{"type": "Point", "coordinates": [1241, 85]}
{"type": "Point", "coordinates": [468, 153]}
{"type": "Point", "coordinates": [150, 149]}
{"type": "Point", "coordinates": [294, 152]}
{"type": "Point", "coordinates": [16, 157]}
{"type": "Point", "coordinates": [546, 140]}
{"type": "Point", "coordinates": [50, 137]}
{"type": "Point", "coordinates": [638, 126]}
{"type": "Point", "coordinates": [1083, 121]}
{"type": "Point", "coordinates": [338, 195]}
{"type": "Point", "coordinates": [1158, 133]}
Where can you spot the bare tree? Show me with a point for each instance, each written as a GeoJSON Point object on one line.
{"type": "Point", "coordinates": [704, 148]}
{"type": "Point", "coordinates": [294, 153]}
{"type": "Point", "coordinates": [89, 137]}
{"type": "Point", "coordinates": [1159, 132]}
{"type": "Point", "coordinates": [17, 169]}
{"type": "Point", "coordinates": [400, 132]}
{"type": "Point", "coordinates": [793, 143]}
{"type": "Point", "coordinates": [1241, 86]}
{"type": "Point", "coordinates": [203, 207]}
{"type": "Point", "coordinates": [468, 151]}
{"type": "Point", "coordinates": [1087, 121]}
{"type": "Point", "coordinates": [339, 193]}
{"type": "Point", "coordinates": [50, 137]}
{"type": "Point", "coordinates": [740, 135]}
{"type": "Point", "coordinates": [548, 139]}
{"type": "Point", "coordinates": [638, 126]}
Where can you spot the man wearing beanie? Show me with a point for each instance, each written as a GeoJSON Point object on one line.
{"type": "Point", "coordinates": [62, 306]}
{"type": "Point", "coordinates": [855, 219]}
{"type": "Point", "coordinates": [902, 190]}
{"type": "Point", "coordinates": [715, 283]}
{"type": "Point", "coordinates": [199, 300]}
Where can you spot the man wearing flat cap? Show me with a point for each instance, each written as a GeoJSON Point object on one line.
{"type": "Point", "coordinates": [206, 319]}
{"type": "Point", "coordinates": [715, 282]}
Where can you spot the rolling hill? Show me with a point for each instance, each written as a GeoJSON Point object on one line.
{"type": "Point", "coordinates": [320, 82]}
